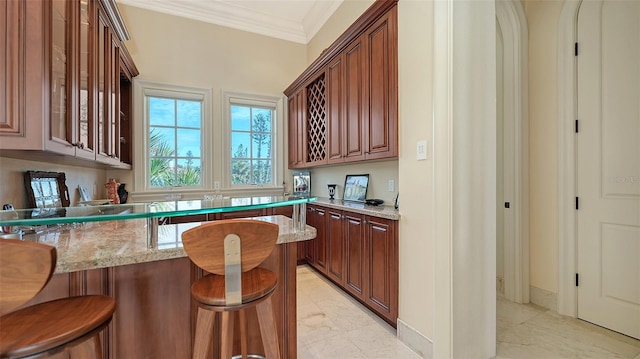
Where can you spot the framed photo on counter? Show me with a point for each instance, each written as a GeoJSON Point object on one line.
{"type": "Point", "coordinates": [355, 188]}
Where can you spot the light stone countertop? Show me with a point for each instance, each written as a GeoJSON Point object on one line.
{"type": "Point", "coordinates": [388, 212]}
{"type": "Point", "coordinates": [93, 245]}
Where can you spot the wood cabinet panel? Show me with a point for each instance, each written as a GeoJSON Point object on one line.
{"type": "Point", "coordinates": [335, 110]}
{"type": "Point", "coordinates": [355, 101]}
{"type": "Point", "coordinates": [381, 83]}
{"type": "Point", "coordinates": [12, 57]}
{"type": "Point", "coordinates": [382, 269]}
{"type": "Point", "coordinates": [153, 313]}
{"type": "Point", "coordinates": [316, 249]}
{"type": "Point", "coordinates": [320, 221]}
{"type": "Point", "coordinates": [335, 246]}
{"type": "Point", "coordinates": [296, 129]}
{"type": "Point", "coordinates": [354, 253]}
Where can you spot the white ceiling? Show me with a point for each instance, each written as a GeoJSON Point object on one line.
{"type": "Point", "coordinates": [292, 20]}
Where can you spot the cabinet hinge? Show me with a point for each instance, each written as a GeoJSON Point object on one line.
{"type": "Point", "coordinates": [577, 128]}
{"type": "Point", "coordinates": [575, 50]}
{"type": "Point", "coordinates": [577, 279]}
{"type": "Point", "coordinates": [577, 202]}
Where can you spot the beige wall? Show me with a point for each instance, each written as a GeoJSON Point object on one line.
{"type": "Point", "coordinates": [415, 81]}
{"type": "Point", "coordinates": [12, 183]}
{"type": "Point", "coordinates": [542, 19]}
{"type": "Point", "coordinates": [346, 14]}
{"type": "Point", "coordinates": [179, 51]}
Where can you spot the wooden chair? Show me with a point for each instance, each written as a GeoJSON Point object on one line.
{"type": "Point", "coordinates": [231, 250]}
{"type": "Point", "coordinates": [41, 330]}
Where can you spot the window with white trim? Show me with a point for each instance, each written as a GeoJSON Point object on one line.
{"type": "Point", "coordinates": [252, 140]}
{"type": "Point", "coordinates": [173, 131]}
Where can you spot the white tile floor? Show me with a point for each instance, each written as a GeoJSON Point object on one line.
{"type": "Point", "coordinates": [332, 325]}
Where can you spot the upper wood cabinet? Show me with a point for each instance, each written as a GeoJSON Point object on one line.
{"type": "Point", "coordinates": [62, 90]}
{"type": "Point", "coordinates": [350, 95]}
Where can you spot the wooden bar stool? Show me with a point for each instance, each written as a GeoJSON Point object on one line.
{"type": "Point", "coordinates": [232, 250]}
{"type": "Point", "coordinates": [41, 330]}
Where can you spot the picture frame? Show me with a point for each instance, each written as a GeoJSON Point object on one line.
{"type": "Point", "coordinates": [355, 188]}
{"type": "Point", "coordinates": [46, 189]}
{"type": "Point", "coordinates": [302, 184]}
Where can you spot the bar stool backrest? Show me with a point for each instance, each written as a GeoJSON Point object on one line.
{"type": "Point", "coordinates": [25, 268]}
{"type": "Point", "coordinates": [205, 244]}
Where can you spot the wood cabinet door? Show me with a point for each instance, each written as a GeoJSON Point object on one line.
{"type": "Point", "coordinates": [354, 253]}
{"type": "Point", "coordinates": [320, 223]}
{"type": "Point", "coordinates": [335, 246]}
{"type": "Point", "coordinates": [335, 110]}
{"type": "Point", "coordinates": [381, 291]}
{"type": "Point", "coordinates": [381, 127]}
{"type": "Point", "coordinates": [62, 78]}
{"type": "Point", "coordinates": [310, 247]}
{"type": "Point", "coordinates": [296, 129]}
{"type": "Point", "coordinates": [355, 101]}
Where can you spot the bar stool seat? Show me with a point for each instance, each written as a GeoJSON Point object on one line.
{"type": "Point", "coordinates": [66, 324]}
{"type": "Point", "coordinates": [256, 284]}
{"type": "Point", "coordinates": [231, 250]}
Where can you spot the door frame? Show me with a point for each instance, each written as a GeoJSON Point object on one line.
{"type": "Point", "coordinates": [513, 24]}
{"type": "Point", "coordinates": [567, 112]}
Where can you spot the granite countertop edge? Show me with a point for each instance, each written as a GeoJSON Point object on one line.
{"type": "Point", "coordinates": [388, 212]}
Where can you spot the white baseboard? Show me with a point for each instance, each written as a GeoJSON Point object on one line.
{"type": "Point", "coordinates": [415, 340]}
{"type": "Point", "coordinates": [543, 298]}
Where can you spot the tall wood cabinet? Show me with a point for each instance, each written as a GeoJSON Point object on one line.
{"type": "Point", "coordinates": [350, 96]}
{"type": "Point", "coordinates": [66, 75]}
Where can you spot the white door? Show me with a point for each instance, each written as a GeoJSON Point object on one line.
{"type": "Point", "coordinates": [608, 150]}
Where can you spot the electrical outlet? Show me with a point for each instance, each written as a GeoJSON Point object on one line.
{"type": "Point", "coordinates": [216, 185]}
{"type": "Point", "coordinates": [421, 150]}
{"type": "Point", "coordinates": [391, 186]}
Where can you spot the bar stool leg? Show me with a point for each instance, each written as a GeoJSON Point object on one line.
{"type": "Point", "coordinates": [243, 333]}
{"type": "Point", "coordinates": [204, 332]}
{"type": "Point", "coordinates": [268, 329]}
{"type": "Point", "coordinates": [226, 347]}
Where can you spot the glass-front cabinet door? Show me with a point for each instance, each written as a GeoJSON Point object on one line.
{"type": "Point", "coordinates": [84, 128]}
{"type": "Point", "coordinates": [60, 79]}
{"type": "Point", "coordinates": [102, 88]}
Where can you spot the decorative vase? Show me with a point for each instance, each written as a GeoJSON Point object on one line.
{"type": "Point", "coordinates": [123, 194]}
{"type": "Point", "coordinates": [332, 190]}
{"type": "Point", "coordinates": [112, 190]}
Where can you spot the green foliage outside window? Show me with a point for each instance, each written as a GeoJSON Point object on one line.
{"type": "Point", "coordinates": [164, 172]}
{"type": "Point", "coordinates": [251, 161]}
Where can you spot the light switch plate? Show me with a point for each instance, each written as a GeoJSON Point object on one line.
{"type": "Point", "coordinates": [421, 150]}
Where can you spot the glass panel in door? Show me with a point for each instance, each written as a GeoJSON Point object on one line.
{"type": "Point", "coordinates": [60, 51]}
{"type": "Point", "coordinates": [85, 127]}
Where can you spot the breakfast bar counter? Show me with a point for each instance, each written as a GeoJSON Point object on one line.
{"type": "Point", "coordinates": [95, 245]}
{"type": "Point", "coordinates": [150, 277]}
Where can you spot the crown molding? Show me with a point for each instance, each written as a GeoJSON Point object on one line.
{"type": "Point", "coordinates": [238, 16]}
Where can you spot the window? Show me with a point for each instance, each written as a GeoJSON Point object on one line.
{"type": "Point", "coordinates": [171, 147]}
{"type": "Point", "coordinates": [175, 137]}
{"type": "Point", "coordinates": [251, 145]}
{"type": "Point", "coordinates": [252, 122]}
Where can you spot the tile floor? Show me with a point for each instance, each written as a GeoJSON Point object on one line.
{"type": "Point", "coordinates": [332, 325]}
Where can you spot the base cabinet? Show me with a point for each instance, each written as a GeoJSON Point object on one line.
{"type": "Point", "coordinates": [361, 257]}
